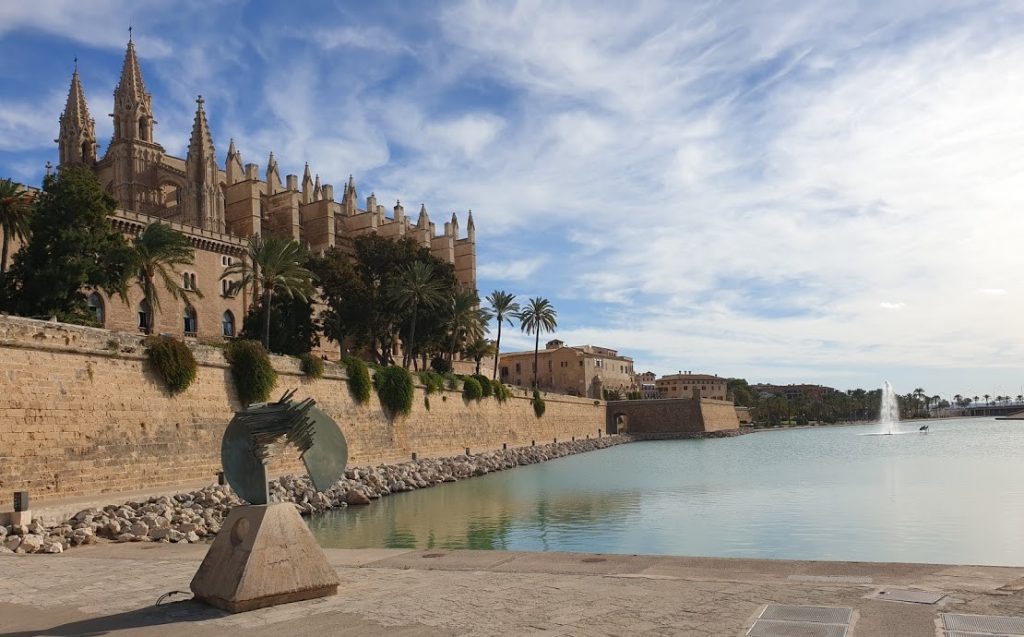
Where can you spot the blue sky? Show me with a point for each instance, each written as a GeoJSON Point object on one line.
{"type": "Point", "coordinates": [790, 191]}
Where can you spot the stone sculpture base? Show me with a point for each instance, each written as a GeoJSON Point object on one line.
{"type": "Point", "coordinates": [264, 555]}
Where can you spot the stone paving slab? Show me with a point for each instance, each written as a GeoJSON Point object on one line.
{"type": "Point", "coordinates": [111, 589]}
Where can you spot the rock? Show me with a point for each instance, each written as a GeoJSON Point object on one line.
{"type": "Point", "coordinates": [37, 527]}
{"type": "Point", "coordinates": [31, 543]}
{"type": "Point", "coordinates": [191, 537]}
{"type": "Point", "coordinates": [175, 536]}
{"type": "Point", "coordinates": [159, 533]}
{"type": "Point", "coordinates": [356, 497]}
{"type": "Point", "coordinates": [12, 542]}
{"type": "Point", "coordinates": [53, 547]}
{"type": "Point", "coordinates": [125, 537]}
{"type": "Point", "coordinates": [112, 529]}
{"type": "Point", "coordinates": [5, 550]}
{"type": "Point", "coordinates": [139, 529]}
{"type": "Point", "coordinates": [3, 532]}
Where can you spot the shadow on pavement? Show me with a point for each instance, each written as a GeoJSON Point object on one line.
{"type": "Point", "coordinates": [150, 616]}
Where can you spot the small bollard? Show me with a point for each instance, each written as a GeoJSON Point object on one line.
{"type": "Point", "coordinates": [467, 451]}
{"type": "Point", "coordinates": [20, 501]}
{"type": "Point", "coordinates": [220, 478]}
{"type": "Point", "coordinates": [598, 433]}
{"type": "Point", "coordinates": [414, 456]}
{"type": "Point", "coordinates": [533, 443]}
{"type": "Point", "coordinates": [574, 438]}
{"type": "Point", "coordinates": [504, 446]}
{"type": "Point", "coordinates": [556, 441]}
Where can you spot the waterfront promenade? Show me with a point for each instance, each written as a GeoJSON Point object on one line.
{"type": "Point", "coordinates": [111, 589]}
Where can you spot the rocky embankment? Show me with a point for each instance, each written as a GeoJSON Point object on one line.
{"type": "Point", "coordinates": [193, 516]}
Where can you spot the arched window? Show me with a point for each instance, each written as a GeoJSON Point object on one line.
{"type": "Point", "coordinates": [192, 280]}
{"type": "Point", "coordinates": [185, 281]}
{"type": "Point", "coordinates": [228, 323]}
{"type": "Point", "coordinates": [191, 322]}
{"type": "Point", "coordinates": [144, 313]}
{"type": "Point", "coordinates": [144, 132]}
{"type": "Point", "coordinates": [96, 305]}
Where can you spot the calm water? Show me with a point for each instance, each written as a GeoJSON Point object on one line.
{"type": "Point", "coordinates": [955, 495]}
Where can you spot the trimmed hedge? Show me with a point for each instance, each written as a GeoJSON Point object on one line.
{"type": "Point", "coordinates": [500, 391]}
{"type": "Point", "coordinates": [441, 365]}
{"type": "Point", "coordinates": [173, 361]}
{"type": "Point", "coordinates": [358, 379]}
{"type": "Point", "coordinates": [432, 381]}
{"type": "Point", "coordinates": [538, 404]}
{"type": "Point", "coordinates": [485, 385]}
{"type": "Point", "coordinates": [251, 369]}
{"type": "Point", "coordinates": [312, 366]}
{"type": "Point", "coordinates": [471, 389]}
{"type": "Point", "coordinates": [395, 389]}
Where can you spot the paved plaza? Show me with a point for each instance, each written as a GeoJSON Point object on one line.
{"type": "Point", "coordinates": [114, 589]}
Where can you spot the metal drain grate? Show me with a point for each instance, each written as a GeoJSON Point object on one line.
{"type": "Point", "coordinates": [772, 628]}
{"type": "Point", "coordinates": [957, 633]}
{"type": "Point", "coordinates": [780, 620]}
{"type": "Point", "coordinates": [983, 624]}
{"type": "Point", "coordinates": [817, 614]}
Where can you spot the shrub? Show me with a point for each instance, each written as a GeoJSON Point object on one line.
{"type": "Point", "coordinates": [485, 385]}
{"type": "Point", "coordinates": [538, 404]}
{"type": "Point", "coordinates": [395, 389]}
{"type": "Point", "coordinates": [471, 389]}
{"type": "Point", "coordinates": [250, 367]}
{"type": "Point", "coordinates": [432, 381]}
{"type": "Point", "coordinates": [173, 361]}
{"type": "Point", "coordinates": [441, 365]}
{"type": "Point", "coordinates": [452, 381]}
{"type": "Point", "coordinates": [358, 379]}
{"type": "Point", "coordinates": [312, 366]}
{"type": "Point", "coordinates": [500, 391]}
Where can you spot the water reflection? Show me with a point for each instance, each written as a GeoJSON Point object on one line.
{"type": "Point", "coordinates": [954, 496]}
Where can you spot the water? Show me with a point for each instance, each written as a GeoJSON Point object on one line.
{"type": "Point", "coordinates": [954, 495]}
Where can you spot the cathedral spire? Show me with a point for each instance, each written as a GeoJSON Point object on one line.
{"type": "Point", "coordinates": [77, 129]}
{"type": "Point", "coordinates": [201, 143]}
{"type": "Point", "coordinates": [133, 109]}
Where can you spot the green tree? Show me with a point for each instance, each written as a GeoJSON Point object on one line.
{"type": "Point", "coordinates": [15, 212]}
{"type": "Point", "coordinates": [504, 308]}
{"type": "Point", "coordinates": [72, 246]}
{"type": "Point", "coordinates": [478, 350]}
{"type": "Point", "coordinates": [415, 287]}
{"type": "Point", "coordinates": [294, 330]}
{"type": "Point", "coordinates": [538, 316]}
{"type": "Point", "coordinates": [467, 321]}
{"type": "Point", "coordinates": [156, 253]}
{"type": "Point", "coordinates": [273, 266]}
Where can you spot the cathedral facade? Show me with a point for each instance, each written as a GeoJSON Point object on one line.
{"type": "Point", "coordinates": [219, 208]}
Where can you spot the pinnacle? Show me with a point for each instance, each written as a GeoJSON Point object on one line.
{"type": "Point", "coordinates": [201, 143]}
{"type": "Point", "coordinates": [131, 85]}
{"type": "Point", "coordinates": [76, 111]}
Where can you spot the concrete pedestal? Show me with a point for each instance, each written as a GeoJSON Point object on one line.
{"type": "Point", "coordinates": [264, 555]}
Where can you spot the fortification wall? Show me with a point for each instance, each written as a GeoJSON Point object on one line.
{"type": "Point", "coordinates": [718, 415]}
{"type": "Point", "coordinates": [672, 417]}
{"type": "Point", "coordinates": [81, 413]}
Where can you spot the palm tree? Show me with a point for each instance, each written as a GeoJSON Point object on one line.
{"type": "Point", "coordinates": [959, 400]}
{"type": "Point", "coordinates": [415, 286]}
{"type": "Point", "coordinates": [157, 252]}
{"type": "Point", "coordinates": [504, 308]}
{"type": "Point", "coordinates": [986, 397]}
{"type": "Point", "coordinates": [274, 265]}
{"type": "Point", "coordinates": [478, 350]}
{"type": "Point", "coordinates": [538, 316]}
{"type": "Point", "coordinates": [467, 321]}
{"type": "Point", "coordinates": [14, 215]}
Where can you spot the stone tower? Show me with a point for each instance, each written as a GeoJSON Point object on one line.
{"type": "Point", "coordinates": [133, 155]}
{"type": "Point", "coordinates": [77, 140]}
{"type": "Point", "coordinates": [202, 200]}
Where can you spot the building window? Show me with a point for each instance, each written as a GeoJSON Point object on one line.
{"type": "Point", "coordinates": [504, 372]}
{"type": "Point", "coordinates": [518, 370]}
{"type": "Point", "coordinates": [550, 365]}
{"type": "Point", "coordinates": [228, 323]}
{"type": "Point", "coordinates": [144, 316]}
{"type": "Point", "coordinates": [96, 305]}
{"type": "Point", "coordinates": [191, 322]}
{"type": "Point", "coordinates": [581, 363]}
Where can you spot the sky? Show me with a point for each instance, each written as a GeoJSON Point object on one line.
{"type": "Point", "coordinates": [822, 191]}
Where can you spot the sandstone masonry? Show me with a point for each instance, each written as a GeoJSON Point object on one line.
{"type": "Point", "coordinates": [82, 413]}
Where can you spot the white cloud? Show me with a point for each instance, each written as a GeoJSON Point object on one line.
{"type": "Point", "coordinates": [892, 306]}
{"type": "Point", "coordinates": [514, 270]}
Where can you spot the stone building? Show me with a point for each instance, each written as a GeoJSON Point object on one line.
{"type": "Point", "coordinates": [647, 385]}
{"type": "Point", "coordinates": [219, 207]}
{"type": "Point", "coordinates": [582, 370]}
{"type": "Point", "coordinates": [689, 385]}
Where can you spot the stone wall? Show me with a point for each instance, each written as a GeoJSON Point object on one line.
{"type": "Point", "coordinates": [663, 418]}
{"type": "Point", "coordinates": [81, 413]}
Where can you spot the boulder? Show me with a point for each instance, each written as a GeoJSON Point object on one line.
{"type": "Point", "coordinates": [356, 497]}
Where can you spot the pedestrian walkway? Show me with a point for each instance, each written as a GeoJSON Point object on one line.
{"type": "Point", "coordinates": [113, 589]}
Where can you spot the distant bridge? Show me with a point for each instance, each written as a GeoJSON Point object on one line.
{"type": "Point", "coordinates": [983, 410]}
